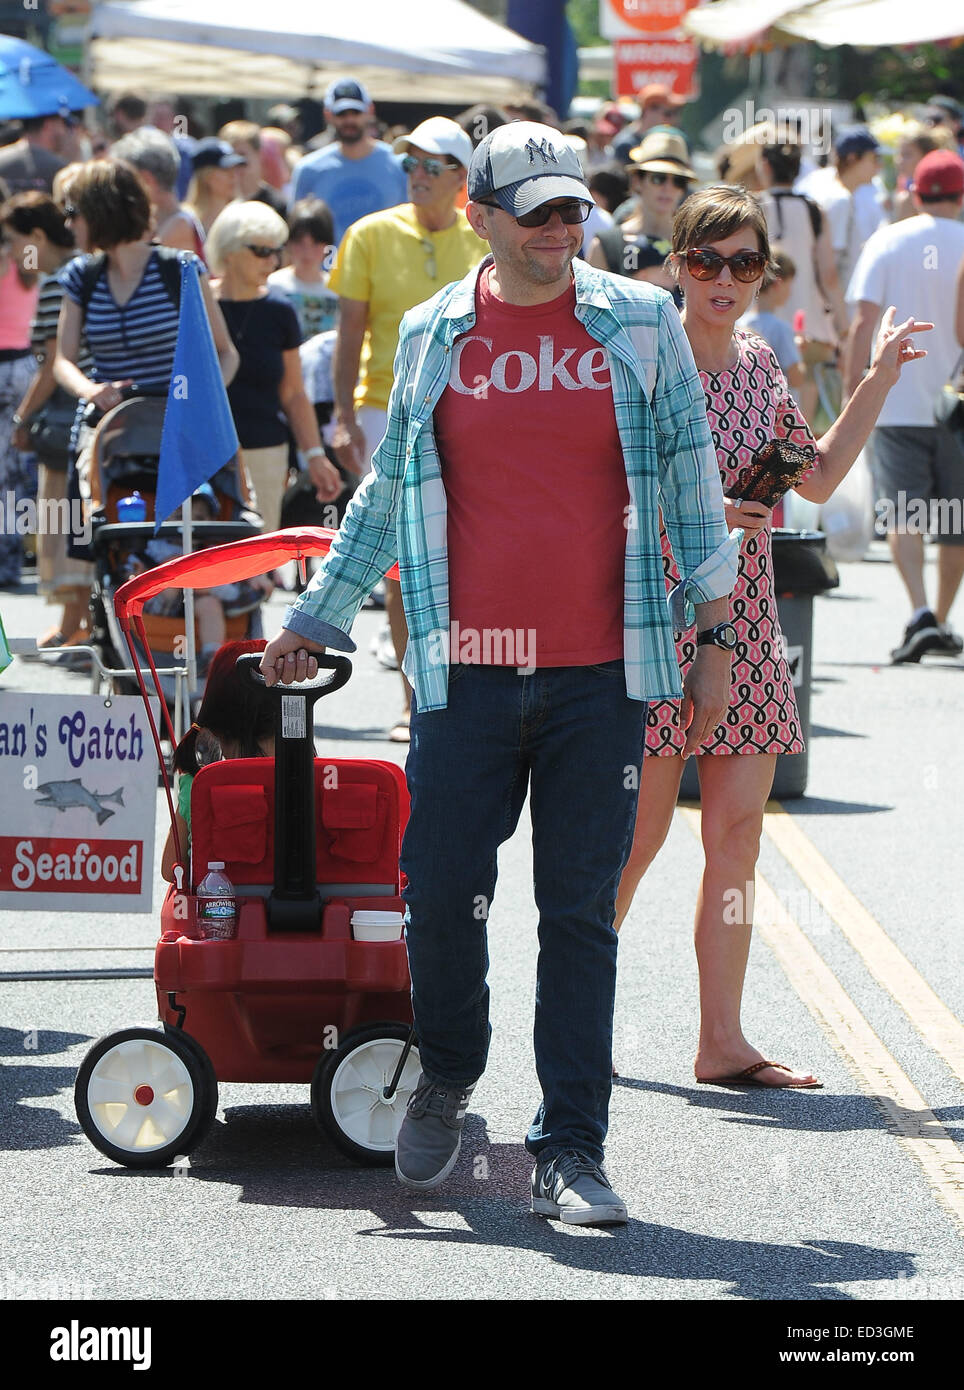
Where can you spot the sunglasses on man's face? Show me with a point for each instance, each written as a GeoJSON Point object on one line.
{"type": "Point", "coordinates": [263, 252]}
{"type": "Point", "coordinates": [657, 178]}
{"type": "Point", "coordinates": [572, 211]}
{"type": "Point", "coordinates": [745, 266]}
{"type": "Point", "coordinates": [433, 167]}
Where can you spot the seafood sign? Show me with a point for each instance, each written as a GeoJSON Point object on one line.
{"type": "Point", "coordinates": [77, 815]}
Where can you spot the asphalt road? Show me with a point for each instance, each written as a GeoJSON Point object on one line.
{"type": "Point", "coordinates": [855, 1192]}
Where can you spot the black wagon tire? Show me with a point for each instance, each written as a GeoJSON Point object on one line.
{"type": "Point", "coordinates": [346, 1091]}
{"type": "Point", "coordinates": [144, 1096]}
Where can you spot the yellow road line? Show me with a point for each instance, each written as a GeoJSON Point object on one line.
{"type": "Point", "coordinates": [877, 1073]}
{"type": "Point", "coordinates": [889, 966]}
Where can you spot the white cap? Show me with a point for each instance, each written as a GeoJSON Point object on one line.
{"type": "Point", "coordinates": [524, 164]}
{"type": "Point", "coordinates": [215, 864]}
{"type": "Point", "coordinates": [438, 135]}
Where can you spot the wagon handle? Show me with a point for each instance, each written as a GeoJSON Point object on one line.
{"type": "Point", "coordinates": [340, 667]}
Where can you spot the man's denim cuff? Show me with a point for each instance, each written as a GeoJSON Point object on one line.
{"type": "Point", "coordinates": [317, 631]}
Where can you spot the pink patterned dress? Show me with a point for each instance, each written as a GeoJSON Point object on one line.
{"type": "Point", "coordinates": [746, 406]}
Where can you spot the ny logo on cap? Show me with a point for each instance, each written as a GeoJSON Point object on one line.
{"type": "Point", "coordinates": [543, 148]}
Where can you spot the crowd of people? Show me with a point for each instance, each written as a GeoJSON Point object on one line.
{"type": "Point", "coordinates": [394, 314]}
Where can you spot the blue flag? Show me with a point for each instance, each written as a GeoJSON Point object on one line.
{"type": "Point", "coordinates": [199, 435]}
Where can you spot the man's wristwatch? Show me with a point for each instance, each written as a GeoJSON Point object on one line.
{"type": "Point", "coordinates": [723, 635]}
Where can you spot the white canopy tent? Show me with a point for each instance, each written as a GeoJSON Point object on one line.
{"type": "Point", "coordinates": [435, 50]}
{"type": "Point", "coordinates": [863, 23]}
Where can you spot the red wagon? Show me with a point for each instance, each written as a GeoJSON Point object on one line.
{"type": "Point", "coordinates": [308, 843]}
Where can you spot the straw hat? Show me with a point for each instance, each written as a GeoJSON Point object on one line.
{"type": "Point", "coordinates": [661, 152]}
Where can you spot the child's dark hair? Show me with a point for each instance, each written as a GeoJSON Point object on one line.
{"type": "Point", "coordinates": [782, 267]}
{"type": "Point", "coordinates": [235, 707]}
{"type": "Point", "coordinates": [312, 217]}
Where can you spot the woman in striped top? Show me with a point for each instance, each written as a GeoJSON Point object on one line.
{"type": "Point", "coordinates": [129, 318]}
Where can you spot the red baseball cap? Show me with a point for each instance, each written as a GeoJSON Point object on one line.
{"type": "Point", "coordinates": [658, 94]}
{"type": "Point", "coordinates": [940, 174]}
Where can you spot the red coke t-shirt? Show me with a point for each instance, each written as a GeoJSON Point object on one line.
{"type": "Point", "coordinates": [536, 488]}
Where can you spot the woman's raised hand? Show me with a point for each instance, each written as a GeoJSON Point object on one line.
{"type": "Point", "coordinates": [895, 346]}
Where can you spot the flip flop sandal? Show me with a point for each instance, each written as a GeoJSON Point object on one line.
{"type": "Point", "coordinates": [747, 1078]}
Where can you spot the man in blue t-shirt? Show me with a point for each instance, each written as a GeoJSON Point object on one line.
{"type": "Point", "coordinates": [355, 174]}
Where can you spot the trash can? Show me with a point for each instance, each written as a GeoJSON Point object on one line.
{"type": "Point", "coordinates": [802, 567]}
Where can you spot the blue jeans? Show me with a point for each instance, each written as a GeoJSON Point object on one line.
{"type": "Point", "coordinates": [572, 736]}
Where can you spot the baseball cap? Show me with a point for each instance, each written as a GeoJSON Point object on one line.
{"type": "Point", "coordinates": [658, 94]}
{"type": "Point", "coordinates": [438, 135]}
{"type": "Point", "coordinates": [939, 174]}
{"type": "Point", "coordinates": [610, 120]}
{"type": "Point", "coordinates": [524, 164]}
{"type": "Point", "coordinates": [855, 140]}
{"type": "Point", "coordinates": [212, 153]}
{"type": "Point", "coordinates": [661, 152]}
{"type": "Point", "coordinates": [346, 95]}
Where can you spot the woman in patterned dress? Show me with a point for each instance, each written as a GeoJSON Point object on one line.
{"type": "Point", "coordinates": [720, 253]}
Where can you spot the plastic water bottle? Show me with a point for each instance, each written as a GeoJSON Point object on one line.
{"type": "Point", "coordinates": [132, 508]}
{"type": "Point", "coordinates": [217, 909]}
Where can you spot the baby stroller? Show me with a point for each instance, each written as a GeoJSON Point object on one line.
{"type": "Point", "coordinates": [308, 844]}
{"type": "Point", "coordinates": [127, 447]}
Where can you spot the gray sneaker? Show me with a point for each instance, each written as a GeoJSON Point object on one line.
{"type": "Point", "coordinates": [430, 1136]}
{"type": "Point", "coordinates": [572, 1188]}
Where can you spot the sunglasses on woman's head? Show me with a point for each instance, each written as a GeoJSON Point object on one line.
{"type": "Point", "coordinates": [572, 212]}
{"type": "Point", "coordinates": [745, 266]}
{"type": "Point", "coordinates": [658, 178]}
{"type": "Point", "coordinates": [433, 167]}
{"type": "Point", "coordinates": [263, 252]}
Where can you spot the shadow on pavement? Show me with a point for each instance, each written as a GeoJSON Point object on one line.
{"type": "Point", "coordinates": [32, 1126]}
{"type": "Point", "coordinates": [786, 1107]}
{"type": "Point", "coordinates": [821, 806]}
{"type": "Point", "coordinates": [278, 1158]}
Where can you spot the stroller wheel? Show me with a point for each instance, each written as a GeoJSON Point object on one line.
{"type": "Point", "coordinates": [144, 1096]}
{"type": "Point", "coordinates": [347, 1097]}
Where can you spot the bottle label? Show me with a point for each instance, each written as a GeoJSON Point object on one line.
{"type": "Point", "coordinates": [217, 907]}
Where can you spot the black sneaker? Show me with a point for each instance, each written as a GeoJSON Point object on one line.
{"type": "Point", "coordinates": [922, 635]}
{"type": "Point", "coordinates": [430, 1136]}
{"type": "Point", "coordinates": [951, 643]}
{"type": "Point", "coordinates": [572, 1188]}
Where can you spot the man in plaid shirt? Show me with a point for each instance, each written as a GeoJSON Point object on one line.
{"type": "Point", "coordinates": [542, 414]}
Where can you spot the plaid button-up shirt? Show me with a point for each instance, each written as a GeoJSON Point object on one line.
{"type": "Point", "coordinates": [399, 511]}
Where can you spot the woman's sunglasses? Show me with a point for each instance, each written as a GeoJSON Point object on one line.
{"type": "Point", "coordinates": [432, 167]}
{"type": "Point", "coordinates": [745, 266]}
{"type": "Point", "coordinates": [263, 252]}
{"type": "Point", "coordinates": [572, 212]}
{"type": "Point", "coordinates": [658, 178]}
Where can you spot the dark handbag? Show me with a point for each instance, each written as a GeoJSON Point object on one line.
{"type": "Point", "coordinates": [949, 407]}
{"type": "Point", "coordinates": [300, 505]}
{"type": "Point", "coordinates": [49, 428]}
{"type": "Point", "coordinates": [772, 471]}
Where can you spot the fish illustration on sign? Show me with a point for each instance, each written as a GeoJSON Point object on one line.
{"type": "Point", "coordinates": [63, 795]}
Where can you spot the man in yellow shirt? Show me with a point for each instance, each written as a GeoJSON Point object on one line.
{"type": "Point", "coordinates": [387, 263]}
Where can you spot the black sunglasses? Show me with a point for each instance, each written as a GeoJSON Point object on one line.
{"type": "Point", "coordinates": [745, 266]}
{"type": "Point", "coordinates": [572, 212]}
{"type": "Point", "coordinates": [434, 167]}
{"type": "Point", "coordinates": [263, 252]}
{"type": "Point", "coordinates": [658, 177]}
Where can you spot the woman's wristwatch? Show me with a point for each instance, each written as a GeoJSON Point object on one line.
{"type": "Point", "coordinates": [723, 635]}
